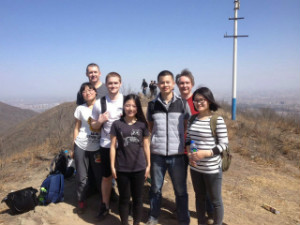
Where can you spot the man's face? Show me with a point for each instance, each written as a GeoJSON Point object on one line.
{"type": "Point", "coordinates": [166, 84]}
{"type": "Point", "coordinates": [93, 74]}
{"type": "Point", "coordinates": [185, 85]}
{"type": "Point", "coordinates": [113, 85]}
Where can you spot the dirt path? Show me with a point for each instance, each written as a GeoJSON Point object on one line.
{"type": "Point", "coordinates": [246, 186]}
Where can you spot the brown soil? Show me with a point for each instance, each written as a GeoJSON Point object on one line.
{"type": "Point", "coordinates": [246, 187]}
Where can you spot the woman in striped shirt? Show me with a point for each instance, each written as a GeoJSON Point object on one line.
{"type": "Point", "coordinates": [206, 162]}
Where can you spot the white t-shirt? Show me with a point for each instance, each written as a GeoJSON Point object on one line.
{"type": "Point", "coordinates": [115, 110]}
{"type": "Point", "coordinates": [86, 139]}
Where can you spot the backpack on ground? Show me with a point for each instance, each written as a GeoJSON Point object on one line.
{"type": "Point", "coordinates": [21, 201]}
{"type": "Point", "coordinates": [52, 189]}
{"type": "Point", "coordinates": [60, 163]}
{"type": "Point", "coordinates": [226, 156]}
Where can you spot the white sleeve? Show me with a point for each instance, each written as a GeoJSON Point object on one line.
{"type": "Point", "coordinates": [77, 113]}
{"type": "Point", "coordinates": [96, 110]}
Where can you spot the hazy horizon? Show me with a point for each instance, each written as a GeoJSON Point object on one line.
{"type": "Point", "coordinates": [46, 45]}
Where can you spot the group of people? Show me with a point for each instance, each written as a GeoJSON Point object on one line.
{"type": "Point", "coordinates": [152, 88]}
{"type": "Point", "coordinates": [113, 137]}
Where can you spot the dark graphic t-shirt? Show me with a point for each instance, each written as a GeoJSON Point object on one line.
{"type": "Point", "coordinates": [130, 155]}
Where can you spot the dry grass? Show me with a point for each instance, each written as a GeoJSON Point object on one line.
{"type": "Point", "coordinates": [264, 136]}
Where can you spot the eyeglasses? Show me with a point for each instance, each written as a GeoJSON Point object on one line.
{"type": "Point", "coordinates": [199, 101]}
{"type": "Point", "coordinates": [87, 91]}
{"type": "Point", "coordinates": [127, 106]}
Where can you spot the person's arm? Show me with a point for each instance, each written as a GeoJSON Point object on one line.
{"type": "Point", "coordinates": [75, 134]}
{"type": "Point", "coordinates": [96, 124]}
{"type": "Point", "coordinates": [222, 143]}
{"type": "Point", "coordinates": [113, 140]}
{"type": "Point", "coordinates": [147, 156]}
{"type": "Point", "coordinates": [200, 154]}
{"type": "Point", "coordinates": [97, 118]}
{"type": "Point", "coordinates": [150, 125]}
{"type": "Point", "coordinates": [185, 125]}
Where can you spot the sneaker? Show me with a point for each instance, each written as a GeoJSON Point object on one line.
{"type": "Point", "coordinates": [103, 212]}
{"type": "Point", "coordinates": [130, 218]}
{"type": "Point", "coordinates": [152, 221]}
{"type": "Point", "coordinates": [210, 219]}
{"type": "Point", "coordinates": [81, 207]}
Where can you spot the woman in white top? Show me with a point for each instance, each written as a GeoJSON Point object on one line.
{"type": "Point", "coordinates": [86, 145]}
{"type": "Point", "coordinates": [206, 162]}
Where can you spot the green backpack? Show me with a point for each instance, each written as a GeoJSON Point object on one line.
{"type": "Point", "coordinates": [226, 156]}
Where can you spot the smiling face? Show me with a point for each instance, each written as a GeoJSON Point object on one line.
{"type": "Point", "coordinates": [130, 108]}
{"type": "Point", "coordinates": [166, 84]}
{"type": "Point", "coordinates": [88, 94]}
{"type": "Point", "coordinates": [113, 84]}
{"type": "Point", "coordinates": [93, 73]}
{"type": "Point", "coordinates": [201, 104]}
{"type": "Point", "coordinates": [185, 86]}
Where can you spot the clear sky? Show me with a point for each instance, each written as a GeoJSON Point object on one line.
{"type": "Point", "coordinates": [46, 45]}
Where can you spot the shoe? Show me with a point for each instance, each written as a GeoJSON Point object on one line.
{"type": "Point", "coordinates": [81, 207]}
{"type": "Point", "coordinates": [210, 219]}
{"type": "Point", "coordinates": [152, 221]}
{"type": "Point", "coordinates": [130, 218]}
{"type": "Point", "coordinates": [103, 212]}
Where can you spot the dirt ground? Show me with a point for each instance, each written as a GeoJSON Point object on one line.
{"type": "Point", "coordinates": [246, 187]}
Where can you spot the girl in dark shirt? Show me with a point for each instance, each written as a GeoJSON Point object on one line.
{"type": "Point", "coordinates": [130, 157]}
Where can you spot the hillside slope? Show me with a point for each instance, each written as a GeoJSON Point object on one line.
{"type": "Point", "coordinates": [11, 116]}
{"type": "Point", "coordinates": [51, 129]}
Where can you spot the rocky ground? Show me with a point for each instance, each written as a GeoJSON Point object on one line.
{"type": "Point", "coordinates": [246, 187]}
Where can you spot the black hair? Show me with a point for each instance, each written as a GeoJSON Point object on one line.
{"type": "Point", "coordinates": [208, 95]}
{"type": "Point", "coordinates": [82, 87]}
{"type": "Point", "coordinates": [139, 114]}
{"type": "Point", "coordinates": [165, 73]}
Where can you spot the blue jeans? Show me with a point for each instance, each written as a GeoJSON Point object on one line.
{"type": "Point", "coordinates": [211, 185]}
{"type": "Point", "coordinates": [176, 168]}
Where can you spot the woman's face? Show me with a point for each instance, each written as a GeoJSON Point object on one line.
{"type": "Point", "coordinates": [201, 103]}
{"type": "Point", "coordinates": [130, 108]}
{"type": "Point", "coordinates": [88, 94]}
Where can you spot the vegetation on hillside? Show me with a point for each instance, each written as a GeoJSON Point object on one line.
{"type": "Point", "coordinates": [261, 135]}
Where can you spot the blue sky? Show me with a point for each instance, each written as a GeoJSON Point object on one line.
{"type": "Point", "coordinates": [46, 45]}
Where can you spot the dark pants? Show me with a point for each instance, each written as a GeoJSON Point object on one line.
{"type": "Point", "coordinates": [131, 184]}
{"type": "Point", "coordinates": [83, 160]}
{"type": "Point", "coordinates": [211, 185]}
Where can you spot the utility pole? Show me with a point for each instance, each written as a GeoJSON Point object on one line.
{"type": "Point", "coordinates": [234, 67]}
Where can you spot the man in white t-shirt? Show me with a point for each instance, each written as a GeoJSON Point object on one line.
{"type": "Point", "coordinates": [103, 119]}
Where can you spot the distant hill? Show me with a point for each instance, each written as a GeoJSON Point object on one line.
{"type": "Point", "coordinates": [52, 128]}
{"type": "Point", "coordinates": [11, 116]}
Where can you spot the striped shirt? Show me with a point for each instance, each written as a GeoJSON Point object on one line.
{"type": "Point", "coordinates": [200, 132]}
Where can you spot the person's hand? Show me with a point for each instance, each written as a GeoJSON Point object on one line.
{"type": "Point", "coordinates": [192, 162]}
{"type": "Point", "coordinates": [147, 172]}
{"type": "Point", "coordinates": [114, 173]}
{"type": "Point", "coordinates": [72, 154]}
{"type": "Point", "coordinates": [200, 154]}
{"type": "Point", "coordinates": [103, 117]}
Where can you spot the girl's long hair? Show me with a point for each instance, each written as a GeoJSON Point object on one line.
{"type": "Point", "coordinates": [139, 114]}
